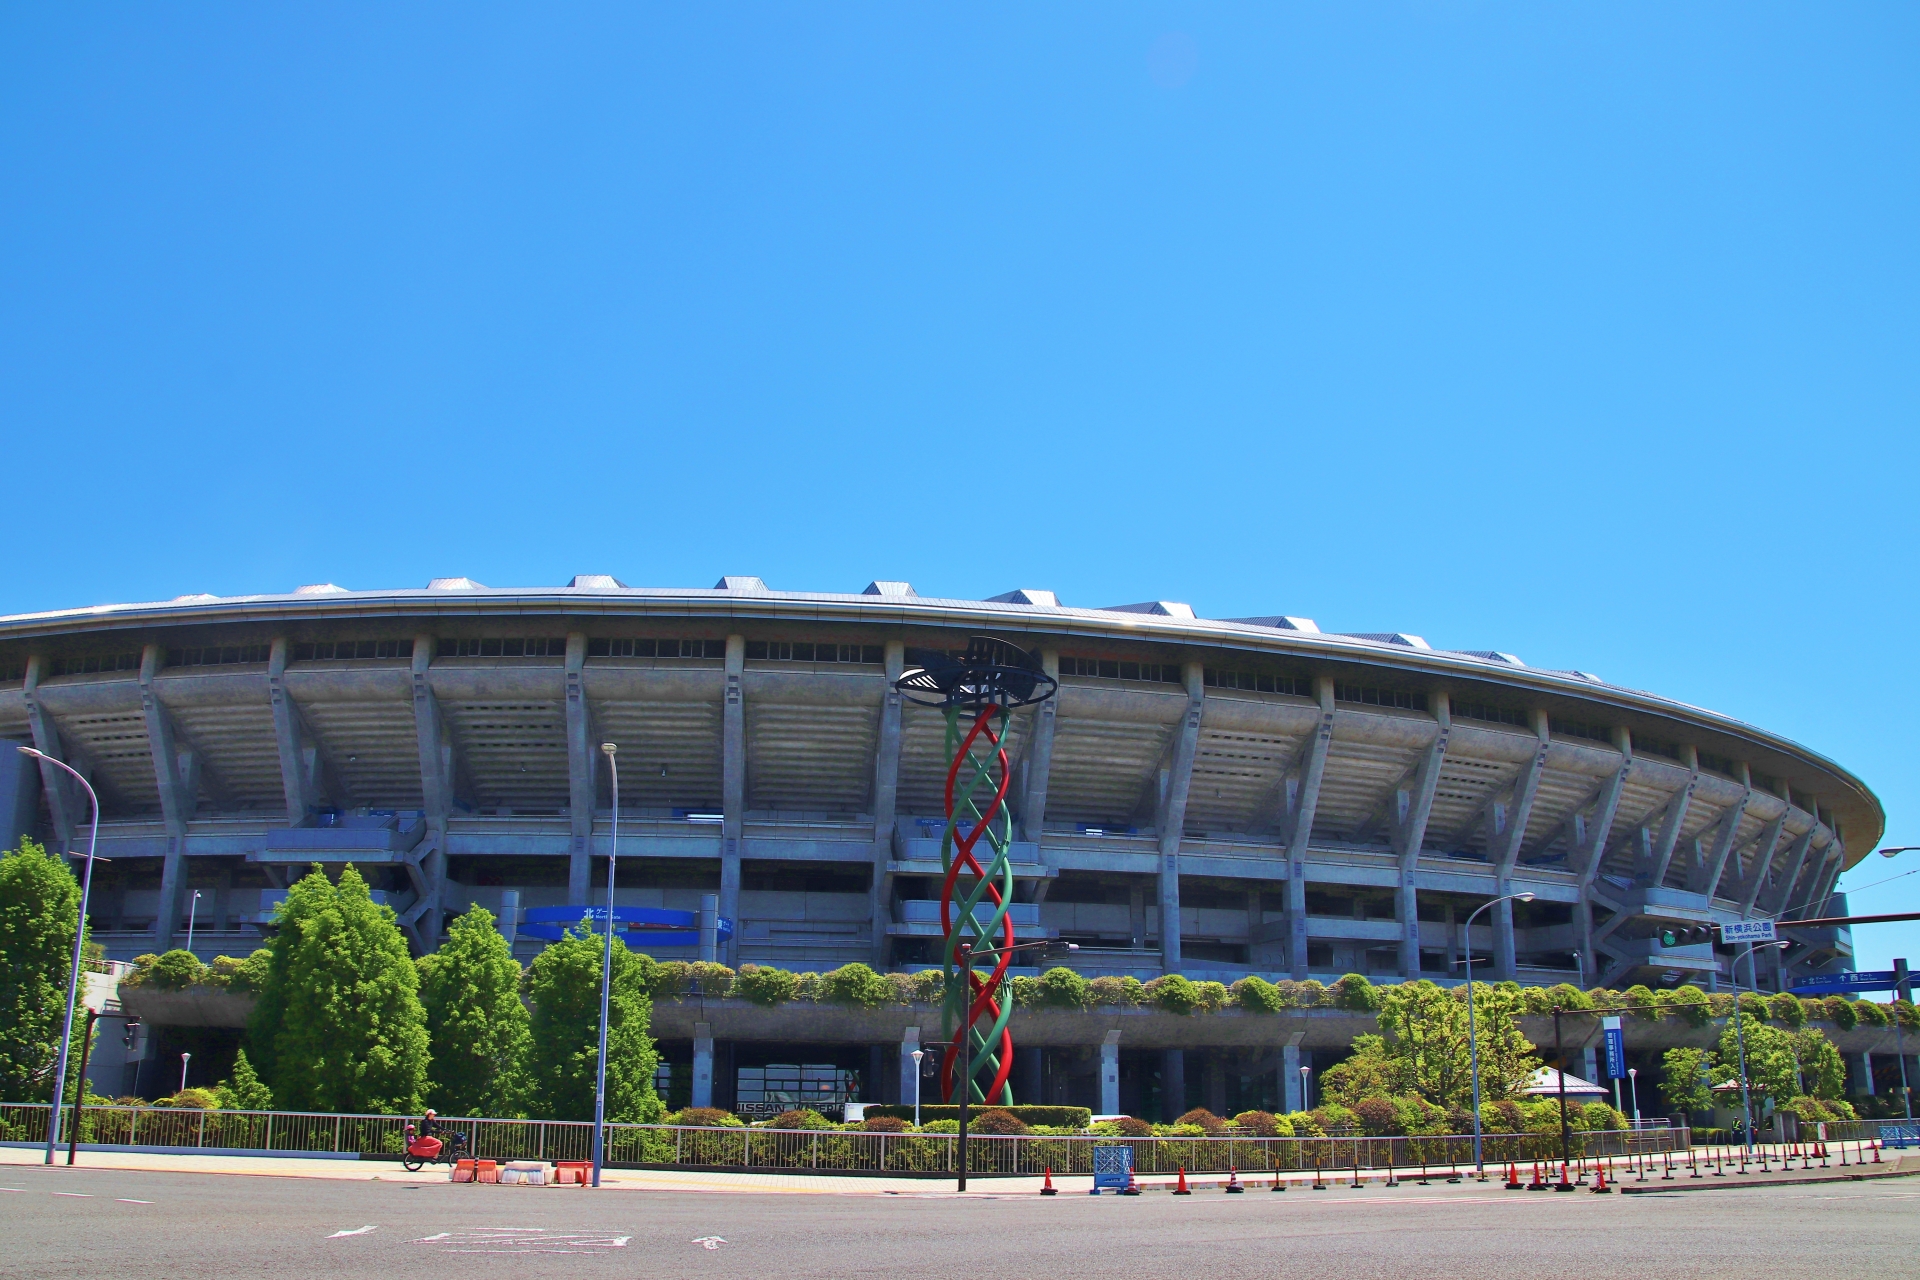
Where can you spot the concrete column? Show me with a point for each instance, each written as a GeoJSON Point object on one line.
{"type": "Point", "coordinates": [299, 761]}
{"type": "Point", "coordinates": [19, 794]}
{"type": "Point", "coordinates": [1110, 1074]}
{"type": "Point", "coordinates": [1606, 806]}
{"type": "Point", "coordinates": [1173, 1084]}
{"type": "Point", "coordinates": [1300, 829]}
{"type": "Point", "coordinates": [1033, 798]}
{"type": "Point", "coordinates": [1863, 1074]}
{"type": "Point", "coordinates": [709, 926]}
{"type": "Point", "coordinates": [176, 775]}
{"type": "Point", "coordinates": [886, 790]}
{"type": "Point", "coordinates": [65, 802]}
{"type": "Point", "coordinates": [1214, 1083]}
{"type": "Point", "coordinates": [510, 916]}
{"type": "Point", "coordinates": [703, 1064]}
{"type": "Point", "coordinates": [1777, 901]}
{"type": "Point", "coordinates": [583, 764]}
{"type": "Point", "coordinates": [1506, 843]}
{"type": "Point", "coordinates": [1137, 913]}
{"type": "Point", "coordinates": [437, 789]}
{"type": "Point", "coordinates": [1412, 810]}
{"type": "Point", "coordinates": [1590, 1064]}
{"type": "Point", "coordinates": [733, 789]}
{"type": "Point", "coordinates": [1290, 1072]}
{"type": "Point", "coordinates": [1661, 854]}
{"type": "Point", "coordinates": [1173, 815]}
{"type": "Point", "coordinates": [909, 1069]}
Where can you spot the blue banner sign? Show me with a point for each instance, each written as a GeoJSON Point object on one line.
{"type": "Point", "coordinates": [1899, 1135]}
{"type": "Point", "coordinates": [1616, 1048]}
{"type": "Point", "coordinates": [635, 926]}
{"type": "Point", "coordinates": [1840, 983]}
{"type": "Point", "coordinates": [1112, 1168]}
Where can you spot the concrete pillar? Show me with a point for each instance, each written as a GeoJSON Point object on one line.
{"type": "Point", "coordinates": [437, 776]}
{"type": "Point", "coordinates": [702, 1064]}
{"type": "Point", "coordinates": [510, 916]}
{"type": "Point", "coordinates": [1300, 829]}
{"type": "Point", "coordinates": [1173, 1084]}
{"type": "Point", "coordinates": [299, 761]}
{"type": "Point", "coordinates": [1504, 963]}
{"type": "Point", "coordinates": [1214, 1083]}
{"type": "Point", "coordinates": [1110, 1074]}
{"type": "Point", "coordinates": [1173, 815]}
{"type": "Point", "coordinates": [909, 1069]}
{"type": "Point", "coordinates": [583, 763]}
{"type": "Point", "coordinates": [733, 789]}
{"type": "Point", "coordinates": [19, 794]}
{"type": "Point", "coordinates": [1033, 795]}
{"type": "Point", "coordinates": [66, 802]}
{"type": "Point", "coordinates": [886, 789]}
{"type": "Point", "coordinates": [1590, 1064]}
{"type": "Point", "coordinates": [1290, 1084]}
{"type": "Point", "coordinates": [709, 927]}
{"type": "Point", "coordinates": [1863, 1074]}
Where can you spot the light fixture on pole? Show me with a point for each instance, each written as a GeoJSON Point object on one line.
{"type": "Point", "coordinates": [1306, 1088]}
{"type": "Point", "coordinates": [79, 941]}
{"type": "Point", "coordinates": [917, 1055]}
{"type": "Point", "coordinates": [1473, 1042]}
{"type": "Point", "coordinates": [192, 906]}
{"type": "Point", "coordinates": [184, 1059]}
{"type": "Point", "coordinates": [1633, 1091]}
{"type": "Point", "coordinates": [606, 976]}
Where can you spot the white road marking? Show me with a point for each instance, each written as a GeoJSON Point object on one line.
{"type": "Point", "coordinates": [21, 1190]}
{"type": "Point", "coordinates": [124, 1200]}
{"type": "Point", "coordinates": [77, 1195]}
{"type": "Point", "coordinates": [357, 1231]}
{"type": "Point", "coordinates": [523, 1240]}
{"type": "Point", "coordinates": [709, 1242]}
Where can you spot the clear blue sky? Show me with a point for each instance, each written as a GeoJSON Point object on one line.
{"type": "Point", "coordinates": [1582, 331]}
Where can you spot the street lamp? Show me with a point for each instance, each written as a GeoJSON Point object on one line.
{"type": "Point", "coordinates": [1633, 1090]}
{"type": "Point", "coordinates": [192, 907]}
{"type": "Point", "coordinates": [966, 953]}
{"type": "Point", "coordinates": [1306, 1088]}
{"type": "Point", "coordinates": [917, 1055]}
{"type": "Point", "coordinates": [1473, 1041]}
{"type": "Point", "coordinates": [606, 976]}
{"type": "Point", "coordinates": [184, 1058]}
{"type": "Point", "coordinates": [1905, 848]}
{"type": "Point", "coordinates": [1740, 1035]}
{"type": "Point", "coordinates": [79, 937]}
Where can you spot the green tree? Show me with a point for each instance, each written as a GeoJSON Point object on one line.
{"type": "Point", "coordinates": [476, 1024]}
{"type": "Point", "coordinates": [563, 984]}
{"type": "Point", "coordinates": [1822, 1071]}
{"type": "Point", "coordinates": [39, 903]}
{"type": "Point", "coordinates": [1424, 1032]}
{"type": "Point", "coordinates": [339, 1025]}
{"type": "Point", "coordinates": [244, 1091]}
{"type": "Point", "coordinates": [1688, 1086]}
{"type": "Point", "coordinates": [1771, 1064]}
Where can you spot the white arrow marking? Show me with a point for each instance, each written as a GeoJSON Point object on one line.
{"type": "Point", "coordinates": [357, 1231]}
{"type": "Point", "coordinates": [77, 1195]}
{"type": "Point", "coordinates": [709, 1242]}
{"type": "Point", "coordinates": [124, 1200]}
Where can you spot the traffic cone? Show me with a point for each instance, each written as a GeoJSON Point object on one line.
{"type": "Point", "coordinates": [1133, 1184]}
{"type": "Point", "coordinates": [1536, 1184]}
{"type": "Point", "coordinates": [1233, 1187]}
{"type": "Point", "coordinates": [1181, 1189]}
{"type": "Point", "coordinates": [1513, 1177]}
{"type": "Point", "coordinates": [1600, 1187]}
{"type": "Point", "coordinates": [1048, 1190]}
{"type": "Point", "coordinates": [1564, 1184]}
{"type": "Point", "coordinates": [1876, 1153]}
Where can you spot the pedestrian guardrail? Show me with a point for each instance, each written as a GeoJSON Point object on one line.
{"type": "Point", "coordinates": [843, 1150]}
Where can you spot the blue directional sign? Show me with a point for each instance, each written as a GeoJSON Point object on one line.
{"type": "Point", "coordinates": [1842, 983]}
{"type": "Point", "coordinates": [635, 926]}
{"type": "Point", "coordinates": [1616, 1048]}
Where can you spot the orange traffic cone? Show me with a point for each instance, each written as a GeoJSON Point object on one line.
{"type": "Point", "coordinates": [1600, 1187]}
{"type": "Point", "coordinates": [1133, 1184]}
{"type": "Point", "coordinates": [1181, 1189]}
{"type": "Point", "coordinates": [1536, 1184]}
{"type": "Point", "coordinates": [1513, 1177]}
{"type": "Point", "coordinates": [1048, 1190]}
{"type": "Point", "coordinates": [1876, 1153]}
{"type": "Point", "coordinates": [1233, 1187]}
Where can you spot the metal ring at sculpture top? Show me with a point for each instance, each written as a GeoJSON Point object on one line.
{"type": "Point", "coordinates": [989, 673]}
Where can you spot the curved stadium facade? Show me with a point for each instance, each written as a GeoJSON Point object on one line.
{"type": "Point", "coordinates": [1213, 797]}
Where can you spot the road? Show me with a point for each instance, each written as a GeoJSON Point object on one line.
{"type": "Point", "coordinates": [94, 1222]}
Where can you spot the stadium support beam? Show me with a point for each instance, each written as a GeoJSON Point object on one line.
{"type": "Point", "coordinates": [1660, 856]}
{"type": "Point", "coordinates": [1526, 788]}
{"type": "Point", "coordinates": [886, 801]}
{"type": "Point", "coordinates": [1606, 807]}
{"type": "Point", "coordinates": [1299, 827]}
{"type": "Point", "coordinates": [1823, 884]}
{"type": "Point", "coordinates": [733, 788]}
{"type": "Point", "coordinates": [1725, 833]}
{"type": "Point", "coordinates": [437, 790]}
{"type": "Point", "coordinates": [64, 799]}
{"type": "Point", "coordinates": [1411, 809]}
{"type": "Point", "coordinates": [303, 768]}
{"type": "Point", "coordinates": [1039, 770]}
{"type": "Point", "coordinates": [176, 771]}
{"type": "Point", "coordinates": [1783, 888]}
{"type": "Point", "coordinates": [583, 772]}
{"type": "Point", "coordinates": [1172, 818]}
{"type": "Point", "coordinates": [1763, 860]}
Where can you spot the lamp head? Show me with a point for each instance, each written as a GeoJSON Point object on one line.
{"type": "Point", "coordinates": [918, 1054]}
{"type": "Point", "coordinates": [35, 755]}
{"type": "Point", "coordinates": [608, 748]}
{"type": "Point", "coordinates": [1523, 897]}
{"type": "Point", "coordinates": [1885, 853]}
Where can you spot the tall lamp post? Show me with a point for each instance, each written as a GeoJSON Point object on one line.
{"type": "Point", "coordinates": [193, 906]}
{"type": "Point", "coordinates": [917, 1055]}
{"type": "Point", "coordinates": [1740, 1035]}
{"type": "Point", "coordinates": [1633, 1084]}
{"type": "Point", "coordinates": [1473, 1039]}
{"type": "Point", "coordinates": [1306, 1088]}
{"type": "Point", "coordinates": [79, 939]}
{"type": "Point", "coordinates": [967, 953]}
{"type": "Point", "coordinates": [606, 977]}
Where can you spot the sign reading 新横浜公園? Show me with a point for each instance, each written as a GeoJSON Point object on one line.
{"type": "Point", "coordinates": [1747, 931]}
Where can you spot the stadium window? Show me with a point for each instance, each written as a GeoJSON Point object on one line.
{"type": "Point", "coordinates": [1113, 669]}
{"type": "Point", "coordinates": [1259, 682]}
{"type": "Point", "coordinates": [1656, 747]}
{"type": "Point", "coordinates": [655, 648]}
{"type": "Point", "coordinates": [805, 651]}
{"type": "Point", "coordinates": [96, 662]}
{"type": "Point", "coordinates": [542, 647]}
{"type": "Point", "coordinates": [1369, 696]}
{"type": "Point", "coordinates": [12, 671]}
{"type": "Point", "coordinates": [1719, 764]}
{"type": "Point", "coordinates": [352, 650]}
{"type": "Point", "coordinates": [1488, 713]}
{"type": "Point", "coordinates": [221, 656]}
{"type": "Point", "coordinates": [1579, 729]}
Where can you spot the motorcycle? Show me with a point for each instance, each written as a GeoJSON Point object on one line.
{"type": "Point", "coordinates": [425, 1149]}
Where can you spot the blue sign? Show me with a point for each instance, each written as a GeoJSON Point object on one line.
{"type": "Point", "coordinates": [1840, 983]}
{"type": "Point", "coordinates": [1112, 1168]}
{"type": "Point", "coordinates": [1616, 1049]}
{"type": "Point", "coordinates": [636, 926]}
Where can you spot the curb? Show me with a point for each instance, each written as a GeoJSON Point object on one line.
{"type": "Point", "coordinates": [1781, 1182]}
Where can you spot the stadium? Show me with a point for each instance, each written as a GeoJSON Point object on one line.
{"type": "Point", "coordinates": [1213, 797]}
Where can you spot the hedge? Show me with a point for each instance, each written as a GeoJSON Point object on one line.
{"type": "Point", "coordinates": [1056, 1117]}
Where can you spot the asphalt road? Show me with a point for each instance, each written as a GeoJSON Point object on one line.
{"type": "Point", "coordinates": [84, 1222]}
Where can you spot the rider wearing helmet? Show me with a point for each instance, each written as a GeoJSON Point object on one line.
{"type": "Point", "coordinates": [427, 1125]}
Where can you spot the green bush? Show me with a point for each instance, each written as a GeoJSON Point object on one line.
{"type": "Point", "coordinates": [1869, 1013]}
{"type": "Point", "coordinates": [1787, 1010]}
{"type": "Point", "coordinates": [1057, 988]}
{"type": "Point", "coordinates": [929, 987]}
{"type": "Point", "coordinates": [905, 990]}
{"type": "Point", "coordinates": [706, 1117]}
{"type": "Point", "coordinates": [1213, 996]}
{"type": "Point", "coordinates": [856, 985]}
{"type": "Point", "coordinates": [175, 971]}
{"type": "Point", "coordinates": [247, 977]}
{"type": "Point", "coordinates": [800, 1118]}
{"type": "Point", "coordinates": [941, 1126]}
{"type": "Point", "coordinates": [1690, 1003]}
{"type": "Point", "coordinates": [1256, 995]}
{"type": "Point", "coordinates": [1646, 1004]}
{"type": "Point", "coordinates": [1207, 1121]}
{"type": "Point", "coordinates": [1261, 1124]}
{"type": "Point", "coordinates": [1119, 993]}
{"type": "Point", "coordinates": [1305, 1124]}
{"type": "Point", "coordinates": [762, 986]}
{"type": "Point", "coordinates": [195, 1099]}
{"type": "Point", "coordinates": [1174, 993]}
{"type": "Point", "coordinates": [998, 1120]}
{"type": "Point", "coordinates": [1378, 1116]}
{"type": "Point", "coordinates": [1331, 1116]}
{"type": "Point", "coordinates": [1075, 1118]}
{"type": "Point", "coordinates": [1309, 993]}
{"type": "Point", "coordinates": [1840, 1012]}
{"type": "Point", "coordinates": [1354, 992]}
{"type": "Point", "coordinates": [884, 1124]}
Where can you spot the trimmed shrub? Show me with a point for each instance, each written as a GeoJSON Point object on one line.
{"type": "Point", "coordinates": [1597, 1115]}
{"type": "Point", "coordinates": [706, 1117]}
{"type": "Point", "coordinates": [1132, 1127]}
{"type": "Point", "coordinates": [1174, 993]}
{"type": "Point", "coordinates": [903, 987]}
{"type": "Point", "coordinates": [856, 985]}
{"type": "Point", "coordinates": [1377, 1115]}
{"type": "Point", "coordinates": [1309, 993]}
{"type": "Point", "coordinates": [1646, 1006]}
{"type": "Point", "coordinates": [766, 987]}
{"type": "Point", "coordinates": [1053, 1117]}
{"type": "Point", "coordinates": [1755, 1005]}
{"type": "Point", "coordinates": [195, 1099]}
{"type": "Point", "coordinates": [1840, 1012]}
{"type": "Point", "coordinates": [1690, 1002]}
{"type": "Point", "coordinates": [998, 1120]}
{"type": "Point", "coordinates": [1305, 1124]}
{"type": "Point", "coordinates": [175, 971]}
{"type": "Point", "coordinates": [884, 1124]}
{"type": "Point", "coordinates": [1870, 1014]}
{"type": "Point", "coordinates": [1333, 1116]}
{"type": "Point", "coordinates": [1261, 1124]}
{"type": "Point", "coordinates": [248, 976]}
{"type": "Point", "coordinates": [806, 986]}
{"type": "Point", "coordinates": [929, 986]}
{"type": "Point", "coordinates": [1354, 992]}
{"type": "Point", "coordinates": [1057, 988]}
{"type": "Point", "coordinates": [1119, 993]}
{"type": "Point", "coordinates": [800, 1118]}
{"type": "Point", "coordinates": [1256, 995]}
{"type": "Point", "coordinates": [1787, 1010]}
{"type": "Point", "coordinates": [1207, 1121]}
{"type": "Point", "coordinates": [1213, 996]}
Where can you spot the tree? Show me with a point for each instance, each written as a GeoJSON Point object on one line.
{"type": "Point", "coordinates": [1688, 1086]}
{"type": "Point", "coordinates": [1424, 1034]}
{"type": "Point", "coordinates": [1771, 1065]}
{"type": "Point", "coordinates": [563, 984]}
{"type": "Point", "coordinates": [39, 902]}
{"type": "Point", "coordinates": [339, 1024]}
{"type": "Point", "coordinates": [476, 1024]}
{"type": "Point", "coordinates": [244, 1090]}
{"type": "Point", "coordinates": [1822, 1073]}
